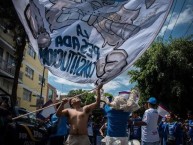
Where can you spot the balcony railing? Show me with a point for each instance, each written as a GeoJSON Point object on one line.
{"type": "Point", "coordinates": [7, 67]}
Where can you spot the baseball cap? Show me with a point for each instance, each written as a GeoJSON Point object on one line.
{"type": "Point", "coordinates": [152, 100]}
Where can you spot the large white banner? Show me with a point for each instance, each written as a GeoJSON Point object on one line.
{"type": "Point", "coordinates": [91, 41]}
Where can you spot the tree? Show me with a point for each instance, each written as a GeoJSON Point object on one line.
{"type": "Point", "coordinates": [108, 95]}
{"type": "Point", "coordinates": [166, 72]}
{"type": "Point", "coordinates": [86, 98]}
{"type": "Point", "coordinates": [11, 22]}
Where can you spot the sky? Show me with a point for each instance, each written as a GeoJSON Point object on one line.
{"type": "Point", "coordinates": [179, 23]}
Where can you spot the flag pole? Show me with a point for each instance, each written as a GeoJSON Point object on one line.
{"type": "Point", "coordinates": [14, 118]}
{"type": "Point", "coordinates": [36, 110]}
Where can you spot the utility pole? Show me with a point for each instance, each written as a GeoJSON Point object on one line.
{"type": "Point", "coordinates": [41, 98]}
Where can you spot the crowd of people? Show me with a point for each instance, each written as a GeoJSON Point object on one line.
{"type": "Point", "coordinates": [149, 128]}
{"type": "Point", "coordinates": [174, 130]}
{"type": "Point", "coordinates": [114, 126]}
{"type": "Point", "coordinates": [119, 126]}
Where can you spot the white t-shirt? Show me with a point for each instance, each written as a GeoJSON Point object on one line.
{"type": "Point", "coordinates": [149, 133]}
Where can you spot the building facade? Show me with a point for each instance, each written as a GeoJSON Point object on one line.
{"type": "Point", "coordinates": [7, 63]}
{"type": "Point", "coordinates": [32, 88]}
{"type": "Point", "coordinates": [51, 93]}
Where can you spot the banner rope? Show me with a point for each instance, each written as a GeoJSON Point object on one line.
{"type": "Point", "coordinates": [51, 105]}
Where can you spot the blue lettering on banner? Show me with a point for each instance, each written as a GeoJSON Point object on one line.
{"type": "Point", "coordinates": [88, 49]}
{"type": "Point", "coordinates": [74, 60]}
{"type": "Point", "coordinates": [80, 32]}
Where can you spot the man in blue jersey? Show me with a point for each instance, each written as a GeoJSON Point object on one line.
{"type": "Point", "coordinates": [135, 131]}
{"type": "Point", "coordinates": [116, 126]}
{"type": "Point", "coordinates": [190, 127]}
{"type": "Point", "coordinates": [162, 127]}
{"type": "Point", "coordinates": [117, 123]}
{"type": "Point", "coordinates": [61, 131]}
{"type": "Point", "coordinates": [174, 131]}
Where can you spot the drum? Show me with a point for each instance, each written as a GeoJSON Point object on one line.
{"type": "Point", "coordinates": [134, 142]}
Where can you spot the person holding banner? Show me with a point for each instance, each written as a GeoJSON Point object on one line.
{"type": "Point", "coordinates": [78, 118]}
{"type": "Point", "coordinates": [117, 113]}
{"type": "Point", "coordinates": [116, 125]}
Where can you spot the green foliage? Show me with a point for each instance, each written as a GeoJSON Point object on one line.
{"type": "Point", "coordinates": [108, 95]}
{"type": "Point", "coordinates": [86, 97]}
{"type": "Point", "coordinates": [165, 71]}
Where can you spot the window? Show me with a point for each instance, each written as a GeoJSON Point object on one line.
{"type": "Point", "coordinates": [40, 80]}
{"type": "Point", "coordinates": [31, 51]}
{"type": "Point", "coordinates": [29, 72]}
{"type": "Point", "coordinates": [27, 94]}
{"type": "Point", "coordinates": [50, 94]}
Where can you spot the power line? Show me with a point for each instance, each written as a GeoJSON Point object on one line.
{"type": "Point", "coordinates": [188, 28]}
{"type": "Point", "coordinates": [170, 18]}
{"type": "Point", "coordinates": [178, 16]}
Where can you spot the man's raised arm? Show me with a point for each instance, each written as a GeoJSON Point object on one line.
{"type": "Point", "coordinates": [61, 111]}
{"type": "Point", "coordinates": [97, 102]}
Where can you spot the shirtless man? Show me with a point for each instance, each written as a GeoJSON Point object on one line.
{"type": "Point", "coordinates": [78, 119]}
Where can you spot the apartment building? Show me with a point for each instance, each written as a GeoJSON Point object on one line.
{"type": "Point", "coordinates": [32, 88]}
{"type": "Point", "coordinates": [7, 63]}
{"type": "Point", "coordinates": [51, 93]}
